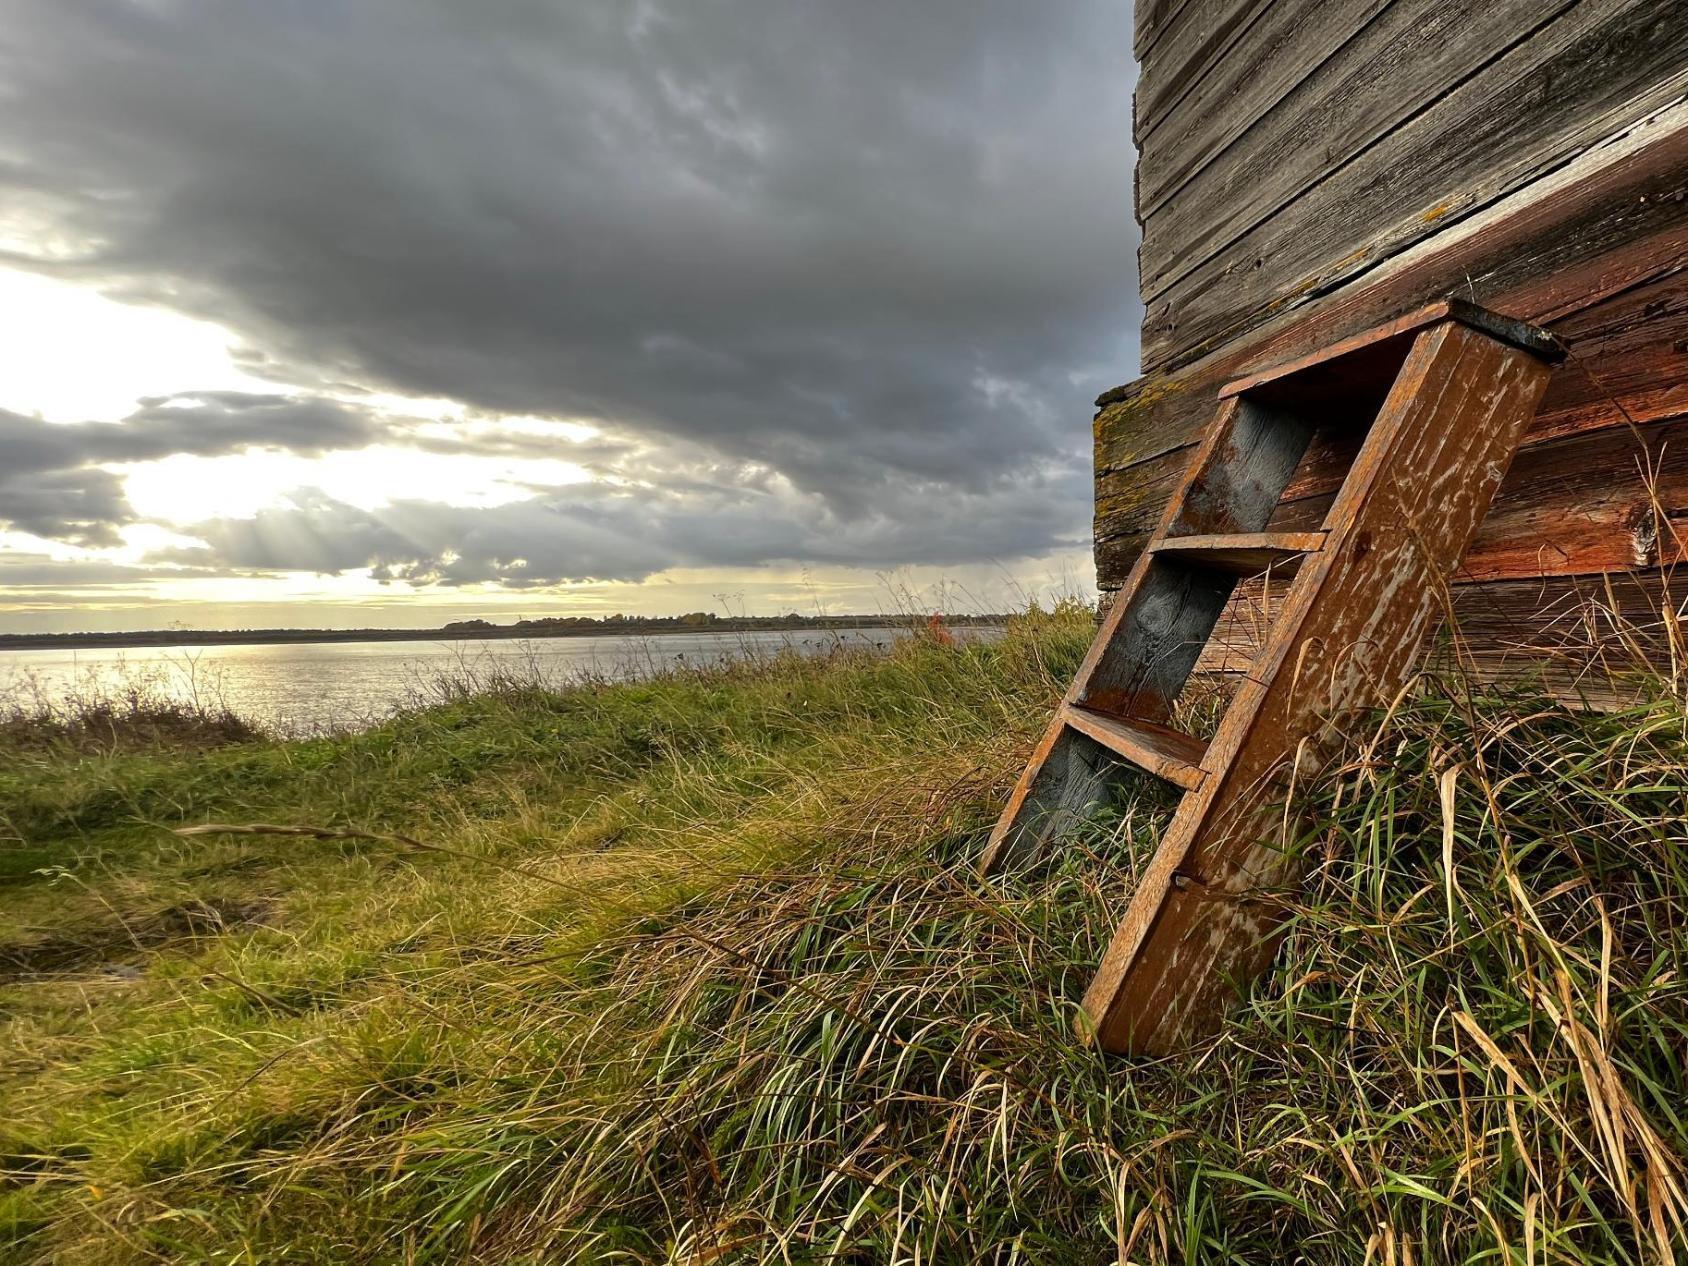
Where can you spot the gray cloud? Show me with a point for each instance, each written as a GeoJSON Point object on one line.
{"type": "Point", "coordinates": [52, 481]}
{"type": "Point", "coordinates": [880, 250]}
{"type": "Point", "coordinates": [82, 506]}
{"type": "Point", "coordinates": [40, 578]}
{"type": "Point", "coordinates": [212, 422]}
{"type": "Point", "coordinates": [604, 532]}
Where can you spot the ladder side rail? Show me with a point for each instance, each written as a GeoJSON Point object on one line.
{"type": "Point", "coordinates": [1172, 610]}
{"type": "Point", "coordinates": [1153, 634]}
{"type": "Point", "coordinates": [1346, 638]}
{"type": "Point", "coordinates": [1110, 1001]}
{"type": "Point", "coordinates": [1067, 775]}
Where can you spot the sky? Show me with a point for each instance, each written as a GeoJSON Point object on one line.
{"type": "Point", "coordinates": [400, 311]}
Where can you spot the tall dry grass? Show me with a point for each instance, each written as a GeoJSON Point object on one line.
{"type": "Point", "coordinates": [759, 1008]}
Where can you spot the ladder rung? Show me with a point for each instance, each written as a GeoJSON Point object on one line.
{"type": "Point", "coordinates": [1445, 397]}
{"type": "Point", "coordinates": [1163, 752]}
{"type": "Point", "coordinates": [1243, 553]}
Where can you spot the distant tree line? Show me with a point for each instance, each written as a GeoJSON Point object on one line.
{"type": "Point", "coordinates": [480, 629]}
{"type": "Point", "coordinates": [691, 620]}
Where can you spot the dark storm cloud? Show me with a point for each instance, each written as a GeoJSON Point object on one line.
{"type": "Point", "coordinates": [54, 485]}
{"type": "Point", "coordinates": [881, 249]}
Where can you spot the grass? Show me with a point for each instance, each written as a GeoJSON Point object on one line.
{"type": "Point", "coordinates": [697, 970]}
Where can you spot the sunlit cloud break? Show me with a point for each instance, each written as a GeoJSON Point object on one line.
{"type": "Point", "coordinates": [760, 291]}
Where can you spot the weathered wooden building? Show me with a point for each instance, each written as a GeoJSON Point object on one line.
{"type": "Point", "coordinates": [1308, 168]}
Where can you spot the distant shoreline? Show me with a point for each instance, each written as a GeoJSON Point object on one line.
{"type": "Point", "coordinates": [461, 633]}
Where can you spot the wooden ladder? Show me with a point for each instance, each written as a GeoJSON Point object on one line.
{"type": "Point", "coordinates": [1428, 411]}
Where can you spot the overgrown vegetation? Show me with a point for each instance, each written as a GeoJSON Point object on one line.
{"type": "Point", "coordinates": [697, 970]}
{"type": "Point", "coordinates": [137, 715]}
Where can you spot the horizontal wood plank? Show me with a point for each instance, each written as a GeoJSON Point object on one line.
{"type": "Point", "coordinates": [1614, 221]}
{"type": "Point", "coordinates": [1290, 41]}
{"type": "Point", "coordinates": [1378, 75]}
{"type": "Point", "coordinates": [1150, 19]}
{"type": "Point", "coordinates": [1573, 506]}
{"type": "Point", "coordinates": [1585, 505]}
{"type": "Point", "coordinates": [1629, 364]}
{"type": "Point", "coordinates": [1587, 641]}
{"type": "Point", "coordinates": [1156, 749]}
{"type": "Point", "coordinates": [1538, 107]}
{"type": "Point", "coordinates": [1188, 51]}
{"type": "Point", "coordinates": [1364, 366]}
{"type": "Point", "coordinates": [1241, 553]}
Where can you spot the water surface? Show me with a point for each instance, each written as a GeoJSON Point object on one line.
{"type": "Point", "coordinates": [304, 688]}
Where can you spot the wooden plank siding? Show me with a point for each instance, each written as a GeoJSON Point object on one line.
{"type": "Point", "coordinates": [1149, 21]}
{"type": "Point", "coordinates": [1577, 637]}
{"type": "Point", "coordinates": [1580, 498]}
{"type": "Point", "coordinates": [1365, 157]}
{"type": "Point", "coordinates": [1312, 167]}
{"type": "Point", "coordinates": [1193, 44]}
{"type": "Point", "coordinates": [1309, 103]}
{"type": "Point", "coordinates": [1309, 172]}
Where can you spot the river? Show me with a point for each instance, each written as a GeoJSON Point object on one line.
{"type": "Point", "coordinates": [301, 689]}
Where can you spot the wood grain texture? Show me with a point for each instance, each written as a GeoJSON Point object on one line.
{"type": "Point", "coordinates": [1155, 749]}
{"type": "Point", "coordinates": [1299, 183]}
{"type": "Point", "coordinates": [1286, 45]}
{"type": "Point", "coordinates": [1601, 64]}
{"type": "Point", "coordinates": [1157, 628]}
{"type": "Point", "coordinates": [1631, 361]}
{"type": "Point", "coordinates": [1150, 639]}
{"type": "Point", "coordinates": [1192, 45]}
{"type": "Point", "coordinates": [1069, 776]}
{"type": "Point", "coordinates": [1353, 623]}
{"type": "Point", "coordinates": [1354, 374]}
{"type": "Point", "coordinates": [1615, 223]}
{"type": "Point", "coordinates": [1150, 19]}
{"type": "Point", "coordinates": [1572, 507]}
{"type": "Point", "coordinates": [1383, 72]}
{"type": "Point", "coordinates": [1568, 508]}
{"type": "Point", "coordinates": [1602, 262]}
{"type": "Point", "coordinates": [1587, 641]}
{"type": "Point", "coordinates": [1242, 553]}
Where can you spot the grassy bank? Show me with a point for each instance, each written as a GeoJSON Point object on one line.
{"type": "Point", "coordinates": [696, 970]}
